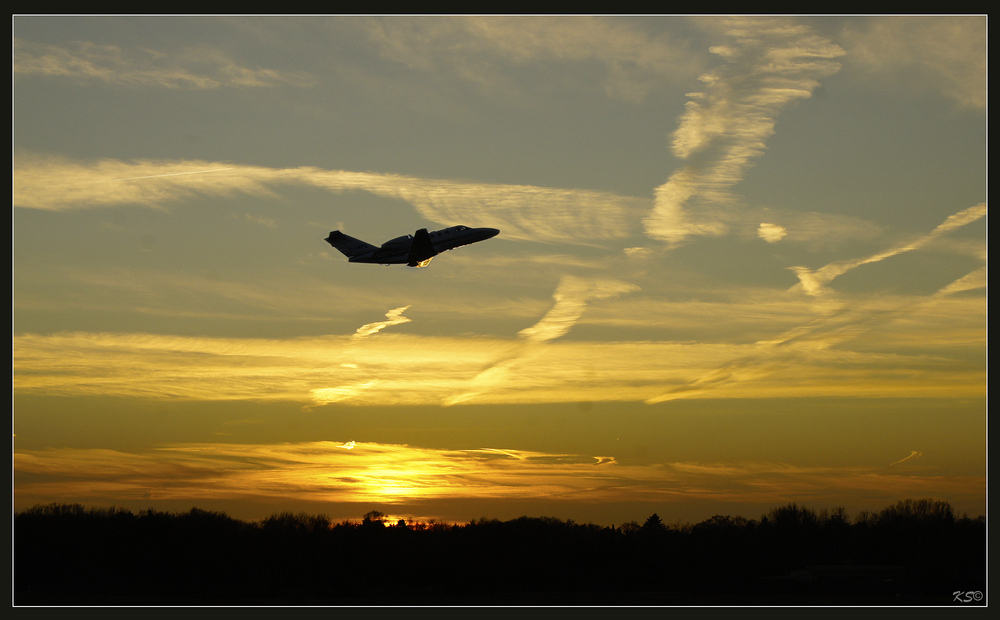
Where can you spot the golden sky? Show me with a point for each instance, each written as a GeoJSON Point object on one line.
{"type": "Point", "coordinates": [741, 262]}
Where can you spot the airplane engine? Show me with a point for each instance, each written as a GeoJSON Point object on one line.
{"type": "Point", "coordinates": [399, 243]}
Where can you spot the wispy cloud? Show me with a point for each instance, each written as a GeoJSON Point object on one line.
{"type": "Point", "coordinates": [823, 231]}
{"type": "Point", "coordinates": [813, 282]}
{"type": "Point", "coordinates": [54, 183]}
{"type": "Point", "coordinates": [571, 298]}
{"type": "Point", "coordinates": [913, 455]}
{"type": "Point", "coordinates": [839, 319]}
{"type": "Point", "coordinates": [628, 60]}
{"type": "Point", "coordinates": [767, 65]}
{"type": "Point", "coordinates": [940, 54]}
{"type": "Point", "coordinates": [968, 282]}
{"type": "Point", "coordinates": [521, 211]}
{"type": "Point", "coordinates": [185, 68]}
{"type": "Point", "coordinates": [772, 233]}
{"type": "Point", "coordinates": [318, 471]}
{"type": "Point", "coordinates": [792, 361]}
{"type": "Point", "coordinates": [411, 477]}
{"type": "Point", "coordinates": [393, 317]}
{"type": "Point", "coordinates": [757, 346]}
{"type": "Point", "coordinates": [357, 384]}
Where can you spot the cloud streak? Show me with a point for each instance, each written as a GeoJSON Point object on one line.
{"type": "Point", "coordinates": [393, 317]}
{"type": "Point", "coordinates": [399, 369]}
{"type": "Point", "coordinates": [631, 61]}
{"type": "Point", "coordinates": [571, 298]}
{"type": "Point", "coordinates": [946, 54]}
{"type": "Point", "coordinates": [913, 455]}
{"type": "Point", "coordinates": [838, 321]}
{"type": "Point", "coordinates": [523, 212]}
{"type": "Point", "coordinates": [805, 356]}
{"type": "Point", "coordinates": [191, 290]}
{"type": "Point", "coordinates": [185, 68]}
{"type": "Point", "coordinates": [767, 65]}
{"type": "Point", "coordinates": [815, 343]}
{"type": "Point", "coordinates": [412, 478]}
{"type": "Point", "coordinates": [813, 282]}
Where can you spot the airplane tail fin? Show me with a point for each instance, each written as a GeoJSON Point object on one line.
{"type": "Point", "coordinates": [348, 246]}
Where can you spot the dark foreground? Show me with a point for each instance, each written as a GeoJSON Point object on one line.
{"type": "Point", "coordinates": [914, 553]}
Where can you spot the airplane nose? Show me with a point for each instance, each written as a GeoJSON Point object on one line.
{"type": "Point", "coordinates": [490, 232]}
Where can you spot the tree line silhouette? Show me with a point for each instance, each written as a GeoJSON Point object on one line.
{"type": "Point", "coordinates": [914, 552]}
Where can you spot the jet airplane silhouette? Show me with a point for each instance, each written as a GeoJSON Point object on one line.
{"type": "Point", "coordinates": [414, 250]}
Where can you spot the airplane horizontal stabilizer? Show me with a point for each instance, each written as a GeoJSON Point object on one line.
{"type": "Point", "coordinates": [349, 246]}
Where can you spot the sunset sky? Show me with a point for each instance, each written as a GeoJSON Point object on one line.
{"type": "Point", "coordinates": [741, 263]}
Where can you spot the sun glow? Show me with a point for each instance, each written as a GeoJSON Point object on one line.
{"type": "Point", "coordinates": [385, 474]}
{"type": "Point", "coordinates": [741, 259]}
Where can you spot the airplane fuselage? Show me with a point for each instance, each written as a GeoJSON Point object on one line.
{"type": "Point", "coordinates": [413, 250]}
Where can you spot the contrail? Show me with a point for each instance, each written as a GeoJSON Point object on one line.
{"type": "Point", "coordinates": [913, 455]}
{"type": "Point", "coordinates": [768, 65]}
{"type": "Point", "coordinates": [171, 174]}
{"type": "Point", "coordinates": [395, 317]}
{"type": "Point", "coordinates": [571, 298]}
{"type": "Point", "coordinates": [814, 282]}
